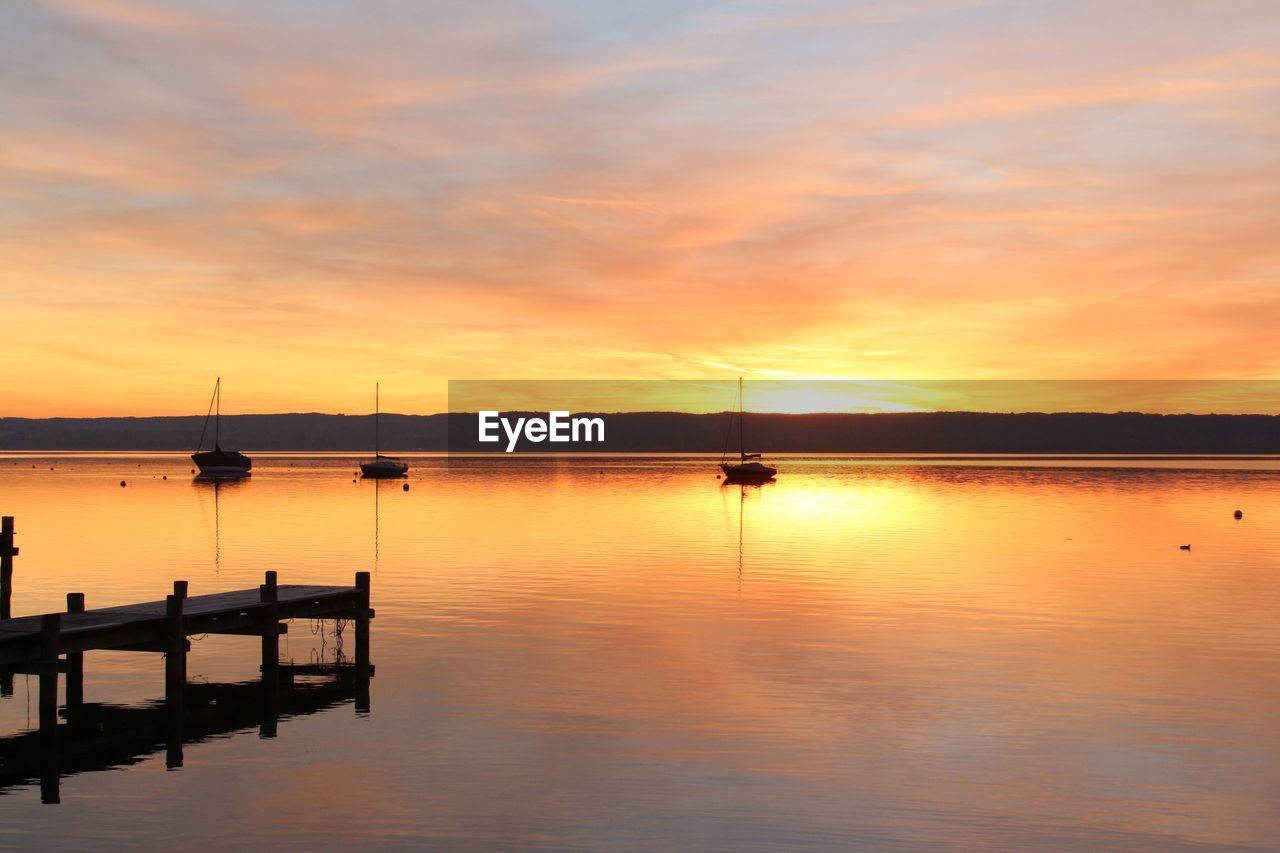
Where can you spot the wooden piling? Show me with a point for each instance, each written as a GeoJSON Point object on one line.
{"type": "Point", "coordinates": [7, 553]}
{"type": "Point", "coordinates": [175, 671]}
{"type": "Point", "coordinates": [268, 594]}
{"type": "Point", "coordinates": [50, 634]}
{"type": "Point", "coordinates": [363, 585]}
{"type": "Point", "coordinates": [180, 590]}
{"type": "Point", "coordinates": [75, 660]}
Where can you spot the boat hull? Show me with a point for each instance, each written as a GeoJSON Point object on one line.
{"type": "Point", "coordinates": [748, 473]}
{"type": "Point", "coordinates": [222, 463]}
{"type": "Point", "coordinates": [223, 471]}
{"type": "Point", "coordinates": [383, 470]}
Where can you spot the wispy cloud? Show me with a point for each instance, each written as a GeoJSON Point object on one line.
{"type": "Point", "coordinates": [509, 189]}
{"type": "Point", "coordinates": [153, 16]}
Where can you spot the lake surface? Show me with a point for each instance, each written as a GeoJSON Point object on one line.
{"type": "Point", "coordinates": [624, 654]}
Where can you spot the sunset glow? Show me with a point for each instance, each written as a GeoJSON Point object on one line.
{"type": "Point", "coordinates": [304, 197]}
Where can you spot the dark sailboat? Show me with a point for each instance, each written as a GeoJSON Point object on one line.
{"type": "Point", "coordinates": [218, 462]}
{"type": "Point", "coordinates": [748, 468]}
{"type": "Point", "coordinates": [382, 467]}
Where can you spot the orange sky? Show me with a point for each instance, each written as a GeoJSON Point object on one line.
{"type": "Point", "coordinates": [304, 197]}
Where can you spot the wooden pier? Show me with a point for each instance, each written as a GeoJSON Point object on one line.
{"type": "Point", "coordinates": [51, 644]}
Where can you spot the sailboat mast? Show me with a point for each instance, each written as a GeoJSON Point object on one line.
{"type": "Point", "coordinates": [377, 415]}
{"type": "Point", "coordinates": [742, 422]}
{"type": "Point", "coordinates": [217, 419]}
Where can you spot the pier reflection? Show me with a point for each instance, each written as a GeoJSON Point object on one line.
{"type": "Point", "coordinates": [97, 736]}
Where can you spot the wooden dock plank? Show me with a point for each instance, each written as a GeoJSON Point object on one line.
{"type": "Point", "coordinates": [235, 612]}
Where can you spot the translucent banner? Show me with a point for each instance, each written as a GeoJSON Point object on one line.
{"type": "Point", "coordinates": [864, 416]}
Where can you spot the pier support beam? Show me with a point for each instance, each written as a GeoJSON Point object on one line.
{"type": "Point", "coordinates": [180, 590]}
{"type": "Point", "coordinates": [50, 633]}
{"type": "Point", "coordinates": [175, 677]}
{"type": "Point", "coordinates": [7, 553]}
{"type": "Point", "coordinates": [75, 661]}
{"type": "Point", "coordinates": [269, 593]}
{"type": "Point", "coordinates": [363, 584]}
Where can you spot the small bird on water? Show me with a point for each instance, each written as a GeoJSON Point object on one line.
{"type": "Point", "coordinates": [1239, 514]}
{"type": "Point", "coordinates": [1185, 547]}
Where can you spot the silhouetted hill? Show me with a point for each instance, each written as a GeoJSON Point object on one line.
{"type": "Point", "coordinates": [923, 432]}
{"type": "Point", "coordinates": [248, 432]}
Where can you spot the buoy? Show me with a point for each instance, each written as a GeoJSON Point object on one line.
{"type": "Point", "coordinates": [406, 487]}
{"type": "Point", "coordinates": [1185, 547]}
{"type": "Point", "coordinates": [122, 484]}
{"type": "Point", "coordinates": [1239, 514]}
{"type": "Point", "coordinates": [193, 470]}
{"type": "Point", "coordinates": [165, 477]}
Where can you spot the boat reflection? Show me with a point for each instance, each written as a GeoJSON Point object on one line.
{"type": "Point", "coordinates": [743, 489]}
{"type": "Point", "coordinates": [216, 483]}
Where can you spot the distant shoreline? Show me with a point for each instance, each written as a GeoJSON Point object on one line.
{"type": "Point", "coordinates": [1069, 433]}
{"type": "Point", "coordinates": [651, 455]}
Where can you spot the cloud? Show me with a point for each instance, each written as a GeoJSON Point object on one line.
{"type": "Point", "coordinates": [129, 13]}
{"type": "Point", "coordinates": [353, 190]}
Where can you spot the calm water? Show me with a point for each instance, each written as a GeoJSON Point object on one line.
{"type": "Point", "coordinates": [624, 654]}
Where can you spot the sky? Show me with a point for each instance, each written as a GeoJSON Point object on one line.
{"type": "Point", "coordinates": [307, 197]}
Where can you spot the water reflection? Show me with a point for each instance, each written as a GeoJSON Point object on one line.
{"type": "Point", "coordinates": [740, 492]}
{"type": "Point", "coordinates": [102, 736]}
{"type": "Point", "coordinates": [874, 652]}
{"type": "Point", "coordinates": [217, 484]}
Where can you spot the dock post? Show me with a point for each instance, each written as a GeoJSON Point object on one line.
{"type": "Point", "coordinates": [268, 594]}
{"type": "Point", "coordinates": [50, 635]}
{"type": "Point", "coordinates": [362, 642]}
{"type": "Point", "coordinates": [7, 553]}
{"type": "Point", "coordinates": [175, 676]}
{"type": "Point", "coordinates": [180, 590]}
{"type": "Point", "coordinates": [75, 661]}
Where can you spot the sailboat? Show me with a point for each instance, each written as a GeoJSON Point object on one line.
{"type": "Point", "coordinates": [218, 462]}
{"type": "Point", "coordinates": [383, 467]}
{"type": "Point", "coordinates": [748, 468]}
